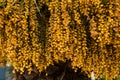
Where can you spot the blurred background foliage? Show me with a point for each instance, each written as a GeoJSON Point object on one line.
{"type": "Point", "coordinates": [82, 34]}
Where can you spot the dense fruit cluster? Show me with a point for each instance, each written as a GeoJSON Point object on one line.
{"type": "Point", "coordinates": [37, 33]}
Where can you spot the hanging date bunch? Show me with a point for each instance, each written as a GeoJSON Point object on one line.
{"type": "Point", "coordinates": [37, 33]}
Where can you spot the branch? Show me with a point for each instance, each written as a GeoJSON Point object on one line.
{"type": "Point", "coordinates": [37, 7]}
